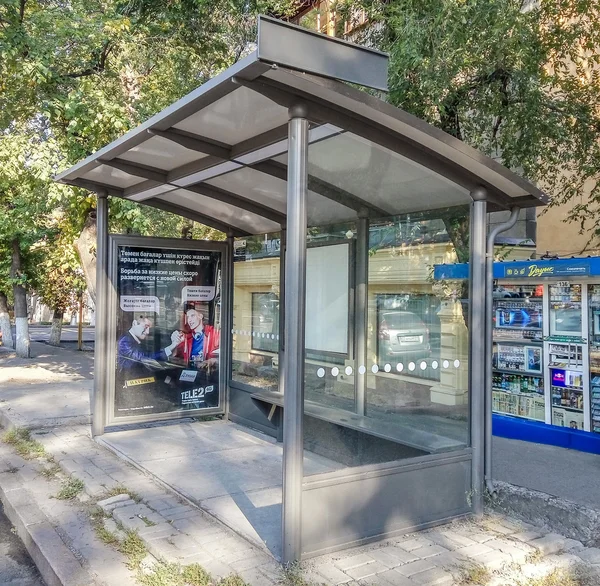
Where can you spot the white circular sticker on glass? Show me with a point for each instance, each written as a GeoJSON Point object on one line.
{"type": "Point", "coordinates": [434, 364]}
{"type": "Point", "coordinates": [445, 364]}
{"type": "Point", "coordinates": [411, 366]}
{"type": "Point", "coordinates": [335, 371]}
{"type": "Point", "coordinates": [374, 369]}
{"type": "Point", "coordinates": [362, 369]}
{"type": "Point", "coordinates": [423, 365]}
{"type": "Point", "coordinates": [348, 370]}
{"type": "Point", "coordinates": [387, 367]}
{"type": "Point", "coordinates": [456, 363]}
{"type": "Point", "coordinates": [399, 367]}
{"type": "Point", "coordinates": [321, 372]}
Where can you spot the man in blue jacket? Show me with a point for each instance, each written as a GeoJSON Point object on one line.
{"type": "Point", "coordinates": [130, 353]}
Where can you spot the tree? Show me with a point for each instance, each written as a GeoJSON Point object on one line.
{"type": "Point", "coordinates": [87, 71]}
{"type": "Point", "coordinates": [518, 80]}
{"type": "Point", "coordinates": [26, 196]}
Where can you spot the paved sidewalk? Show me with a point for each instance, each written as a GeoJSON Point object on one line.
{"type": "Point", "coordinates": [499, 550]}
{"type": "Point", "coordinates": [568, 474]}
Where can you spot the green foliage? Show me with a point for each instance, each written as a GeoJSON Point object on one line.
{"type": "Point", "coordinates": [134, 548]}
{"type": "Point", "coordinates": [74, 77]}
{"type": "Point", "coordinates": [517, 79]}
{"type": "Point", "coordinates": [25, 446]}
{"type": "Point", "coordinates": [70, 488]}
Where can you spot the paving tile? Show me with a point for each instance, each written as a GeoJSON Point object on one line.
{"type": "Point", "coordinates": [217, 569]}
{"type": "Point", "coordinates": [332, 574]}
{"type": "Point", "coordinates": [428, 551]}
{"type": "Point", "coordinates": [549, 544]}
{"type": "Point", "coordinates": [353, 561]}
{"type": "Point", "coordinates": [590, 555]}
{"type": "Point", "coordinates": [366, 570]}
{"type": "Point", "coordinates": [416, 567]}
{"type": "Point", "coordinates": [255, 577]}
{"type": "Point", "coordinates": [433, 577]}
{"type": "Point", "coordinates": [526, 536]}
{"type": "Point", "coordinates": [474, 550]}
{"type": "Point", "coordinates": [392, 556]}
{"type": "Point", "coordinates": [413, 543]}
{"type": "Point", "coordinates": [394, 578]}
{"type": "Point", "coordinates": [493, 560]}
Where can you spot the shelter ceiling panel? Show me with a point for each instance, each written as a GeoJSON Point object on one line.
{"type": "Point", "coordinates": [161, 153]}
{"type": "Point", "coordinates": [380, 176]}
{"type": "Point", "coordinates": [272, 192]}
{"type": "Point", "coordinates": [237, 116]}
{"type": "Point", "coordinates": [111, 176]}
{"type": "Point", "coordinates": [223, 212]}
{"type": "Point", "coordinates": [264, 189]}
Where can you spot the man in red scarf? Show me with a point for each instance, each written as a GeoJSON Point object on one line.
{"type": "Point", "coordinates": [200, 344]}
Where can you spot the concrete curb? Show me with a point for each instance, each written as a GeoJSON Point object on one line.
{"type": "Point", "coordinates": [544, 510]}
{"type": "Point", "coordinates": [56, 563]}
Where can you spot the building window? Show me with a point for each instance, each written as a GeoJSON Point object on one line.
{"type": "Point", "coordinates": [265, 322]}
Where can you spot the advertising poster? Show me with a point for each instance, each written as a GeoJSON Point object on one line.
{"type": "Point", "coordinates": [168, 330]}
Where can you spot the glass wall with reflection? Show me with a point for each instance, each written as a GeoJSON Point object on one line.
{"type": "Point", "coordinates": [256, 311]}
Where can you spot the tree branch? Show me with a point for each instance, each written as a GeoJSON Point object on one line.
{"type": "Point", "coordinates": [98, 67]}
{"type": "Point", "coordinates": [22, 11]}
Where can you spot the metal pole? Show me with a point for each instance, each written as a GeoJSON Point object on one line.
{"type": "Point", "coordinates": [227, 284]}
{"type": "Point", "coordinates": [295, 281]}
{"type": "Point", "coordinates": [489, 337]}
{"type": "Point", "coordinates": [476, 344]}
{"type": "Point", "coordinates": [361, 315]}
{"type": "Point", "coordinates": [281, 331]}
{"type": "Point", "coordinates": [101, 343]}
{"type": "Point", "coordinates": [80, 324]}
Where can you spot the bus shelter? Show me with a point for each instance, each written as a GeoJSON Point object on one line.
{"type": "Point", "coordinates": [317, 320]}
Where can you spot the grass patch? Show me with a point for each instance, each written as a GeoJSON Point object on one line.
{"type": "Point", "coordinates": [24, 445]}
{"type": "Point", "coordinates": [474, 575]}
{"type": "Point", "coordinates": [134, 548]}
{"type": "Point", "coordinates": [147, 521]}
{"type": "Point", "coordinates": [117, 490]}
{"type": "Point", "coordinates": [577, 575]}
{"type": "Point", "coordinates": [232, 580]}
{"type": "Point", "coordinates": [50, 471]}
{"type": "Point", "coordinates": [193, 575]}
{"type": "Point", "coordinates": [292, 576]}
{"type": "Point", "coordinates": [70, 488]}
{"type": "Point", "coordinates": [106, 536]}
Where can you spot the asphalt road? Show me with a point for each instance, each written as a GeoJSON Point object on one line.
{"type": "Point", "coordinates": [68, 334]}
{"type": "Point", "coordinates": [16, 567]}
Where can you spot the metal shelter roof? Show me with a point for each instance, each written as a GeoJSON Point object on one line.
{"type": "Point", "coordinates": [219, 154]}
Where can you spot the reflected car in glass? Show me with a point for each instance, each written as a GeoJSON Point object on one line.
{"type": "Point", "coordinates": [403, 334]}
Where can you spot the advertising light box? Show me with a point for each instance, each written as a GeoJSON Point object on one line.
{"type": "Point", "coordinates": [167, 330]}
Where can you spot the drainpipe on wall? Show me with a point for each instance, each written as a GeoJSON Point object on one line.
{"type": "Point", "coordinates": [489, 283]}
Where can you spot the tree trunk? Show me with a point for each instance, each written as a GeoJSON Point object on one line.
{"type": "Point", "coordinates": [86, 248]}
{"type": "Point", "coordinates": [5, 329]}
{"type": "Point", "coordinates": [55, 331]}
{"type": "Point", "coordinates": [22, 345]}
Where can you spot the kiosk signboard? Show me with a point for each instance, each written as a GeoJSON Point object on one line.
{"type": "Point", "coordinates": [167, 329]}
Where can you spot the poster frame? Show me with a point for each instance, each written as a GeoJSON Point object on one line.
{"type": "Point", "coordinates": [114, 242]}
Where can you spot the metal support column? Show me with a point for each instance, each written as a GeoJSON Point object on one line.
{"type": "Point", "coordinates": [100, 394]}
{"type": "Point", "coordinates": [281, 329]}
{"type": "Point", "coordinates": [361, 315]}
{"type": "Point", "coordinates": [477, 343]}
{"type": "Point", "coordinates": [295, 281]}
{"type": "Point", "coordinates": [227, 321]}
{"type": "Point", "coordinates": [489, 343]}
